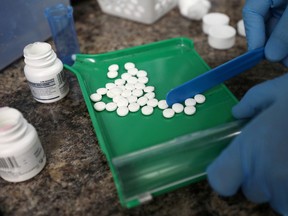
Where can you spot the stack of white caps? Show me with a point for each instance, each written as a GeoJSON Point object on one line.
{"type": "Point", "coordinates": [220, 34]}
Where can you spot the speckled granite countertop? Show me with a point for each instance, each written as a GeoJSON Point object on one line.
{"type": "Point", "coordinates": [77, 179]}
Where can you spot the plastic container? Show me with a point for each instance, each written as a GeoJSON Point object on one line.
{"type": "Point", "coordinates": [60, 18]}
{"type": "Point", "coordinates": [127, 140]}
{"type": "Point", "coordinates": [21, 153]}
{"type": "Point", "coordinates": [194, 9]}
{"type": "Point", "coordinates": [214, 19]}
{"type": "Point", "coordinates": [241, 28]}
{"type": "Point", "coordinates": [22, 22]}
{"type": "Point", "coordinates": [147, 11]}
{"type": "Point", "coordinates": [44, 72]}
{"type": "Point", "coordinates": [221, 37]}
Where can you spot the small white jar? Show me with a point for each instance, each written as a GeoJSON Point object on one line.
{"type": "Point", "coordinates": [44, 73]}
{"type": "Point", "coordinates": [21, 153]}
{"type": "Point", "coordinates": [221, 37]}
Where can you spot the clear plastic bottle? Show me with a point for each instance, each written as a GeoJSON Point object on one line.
{"type": "Point", "coordinates": [21, 153]}
{"type": "Point", "coordinates": [44, 72]}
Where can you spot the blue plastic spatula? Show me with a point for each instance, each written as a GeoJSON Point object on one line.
{"type": "Point", "coordinates": [215, 76]}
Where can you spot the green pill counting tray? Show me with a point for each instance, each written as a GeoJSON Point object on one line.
{"type": "Point", "coordinates": [151, 155]}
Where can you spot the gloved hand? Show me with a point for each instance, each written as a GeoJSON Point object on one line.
{"type": "Point", "coordinates": [257, 159]}
{"type": "Point", "coordinates": [266, 22]}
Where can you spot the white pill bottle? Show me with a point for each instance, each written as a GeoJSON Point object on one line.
{"type": "Point", "coordinates": [44, 73]}
{"type": "Point", "coordinates": [21, 153]}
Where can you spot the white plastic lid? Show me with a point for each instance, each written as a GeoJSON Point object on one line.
{"type": "Point", "coordinates": [221, 37]}
{"type": "Point", "coordinates": [214, 19]}
{"type": "Point", "coordinates": [241, 28]}
{"type": "Point", "coordinates": [194, 9]}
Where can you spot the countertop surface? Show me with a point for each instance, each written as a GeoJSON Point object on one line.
{"type": "Point", "coordinates": [77, 179]}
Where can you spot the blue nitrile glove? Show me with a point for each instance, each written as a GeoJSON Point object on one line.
{"type": "Point", "coordinates": [257, 159]}
{"type": "Point", "coordinates": [266, 22]}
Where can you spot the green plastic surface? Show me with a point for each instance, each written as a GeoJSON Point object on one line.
{"type": "Point", "coordinates": [168, 63]}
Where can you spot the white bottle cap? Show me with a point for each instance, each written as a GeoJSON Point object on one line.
{"type": "Point", "coordinates": [221, 37]}
{"type": "Point", "coordinates": [241, 28]}
{"type": "Point", "coordinates": [194, 9]}
{"type": "Point", "coordinates": [214, 19]}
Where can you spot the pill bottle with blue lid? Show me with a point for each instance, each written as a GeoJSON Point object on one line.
{"type": "Point", "coordinates": [44, 73]}
{"type": "Point", "coordinates": [21, 154]}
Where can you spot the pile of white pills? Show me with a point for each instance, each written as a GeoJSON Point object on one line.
{"type": "Point", "coordinates": [130, 92]}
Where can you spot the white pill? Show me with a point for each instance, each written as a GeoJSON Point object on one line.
{"type": "Point", "coordinates": [116, 91]}
{"type": "Point", "coordinates": [95, 97]}
{"type": "Point", "coordinates": [189, 110]}
{"type": "Point", "coordinates": [190, 102]}
{"type": "Point", "coordinates": [143, 80]}
{"type": "Point", "coordinates": [134, 107]}
{"type": "Point", "coordinates": [113, 67]}
{"type": "Point", "coordinates": [150, 95]}
{"type": "Point", "coordinates": [147, 110]}
{"type": "Point", "coordinates": [168, 113]}
{"type": "Point", "coordinates": [149, 89]}
{"type": "Point", "coordinates": [141, 73]}
{"type": "Point", "coordinates": [122, 87]}
{"type": "Point", "coordinates": [102, 91]}
{"type": "Point", "coordinates": [132, 80]}
{"type": "Point", "coordinates": [137, 92]}
{"type": "Point", "coordinates": [139, 85]}
{"type": "Point", "coordinates": [162, 104]}
{"type": "Point", "coordinates": [199, 98]}
{"type": "Point", "coordinates": [129, 65]}
{"type": "Point", "coordinates": [111, 106]}
{"type": "Point", "coordinates": [125, 76]}
{"type": "Point", "coordinates": [122, 111]}
{"type": "Point", "coordinates": [133, 71]}
{"type": "Point", "coordinates": [178, 108]}
{"type": "Point", "coordinates": [99, 106]}
{"type": "Point", "coordinates": [142, 101]}
{"type": "Point", "coordinates": [110, 94]}
{"type": "Point", "coordinates": [122, 102]}
{"type": "Point", "coordinates": [119, 82]}
{"type": "Point", "coordinates": [110, 85]}
{"type": "Point", "coordinates": [126, 93]}
{"type": "Point", "coordinates": [112, 74]}
{"type": "Point", "coordinates": [129, 86]}
{"type": "Point", "coordinates": [152, 102]}
{"type": "Point", "coordinates": [132, 99]}
{"type": "Point", "coordinates": [117, 98]}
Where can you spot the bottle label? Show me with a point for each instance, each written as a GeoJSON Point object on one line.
{"type": "Point", "coordinates": [24, 166]}
{"type": "Point", "coordinates": [50, 89]}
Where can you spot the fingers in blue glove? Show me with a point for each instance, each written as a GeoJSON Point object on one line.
{"type": "Point", "coordinates": [254, 13]}
{"type": "Point", "coordinates": [229, 172]}
{"type": "Point", "coordinates": [277, 45]}
{"type": "Point", "coordinates": [257, 160]}
{"type": "Point", "coordinates": [260, 97]}
{"type": "Point", "coordinates": [255, 100]}
{"type": "Point", "coordinates": [225, 173]}
{"type": "Point", "coordinates": [266, 25]}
